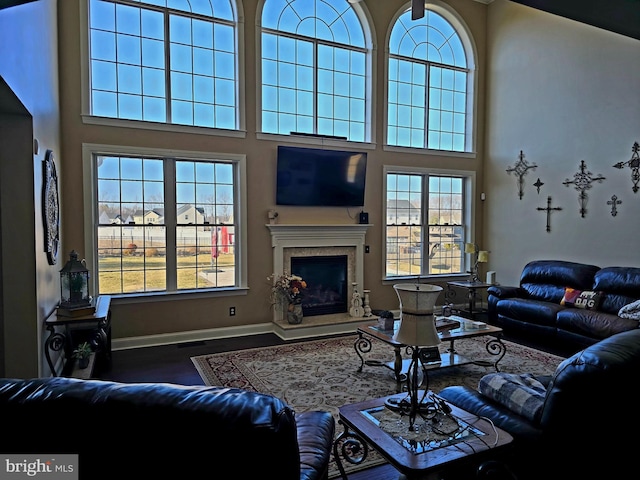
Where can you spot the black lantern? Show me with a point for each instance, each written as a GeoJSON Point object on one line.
{"type": "Point", "coordinates": [74, 284]}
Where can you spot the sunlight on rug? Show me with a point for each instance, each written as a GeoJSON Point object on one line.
{"type": "Point", "coordinates": [322, 374]}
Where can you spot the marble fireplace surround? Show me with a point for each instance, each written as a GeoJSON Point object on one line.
{"type": "Point", "coordinates": [303, 240]}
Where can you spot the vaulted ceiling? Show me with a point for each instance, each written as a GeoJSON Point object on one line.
{"type": "Point", "coordinates": [12, 3]}
{"type": "Point", "coordinates": [619, 16]}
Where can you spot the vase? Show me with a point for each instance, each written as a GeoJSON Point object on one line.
{"type": "Point", "coordinates": [83, 362]}
{"type": "Point", "coordinates": [294, 313]}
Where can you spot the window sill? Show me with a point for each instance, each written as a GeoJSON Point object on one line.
{"type": "Point", "coordinates": [426, 151]}
{"type": "Point", "coordinates": [173, 296]}
{"type": "Point", "coordinates": [165, 127]}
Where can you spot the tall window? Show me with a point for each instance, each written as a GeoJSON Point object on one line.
{"type": "Point", "coordinates": [314, 69]}
{"type": "Point", "coordinates": [165, 224]}
{"type": "Point", "coordinates": [426, 223]}
{"type": "Point", "coordinates": [164, 61]}
{"type": "Point", "coordinates": [429, 85]}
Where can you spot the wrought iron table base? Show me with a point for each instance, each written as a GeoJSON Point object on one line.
{"type": "Point", "coordinates": [350, 446]}
{"type": "Point", "coordinates": [363, 345]}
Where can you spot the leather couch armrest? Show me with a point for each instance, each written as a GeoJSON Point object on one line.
{"type": "Point", "coordinates": [501, 291]}
{"type": "Point", "coordinates": [315, 430]}
{"type": "Point", "coordinates": [474, 402]}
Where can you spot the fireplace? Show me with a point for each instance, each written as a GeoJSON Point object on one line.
{"type": "Point", "coordinates": [327, 283]}
{"type": "Point", "coordinates": [321, 243]}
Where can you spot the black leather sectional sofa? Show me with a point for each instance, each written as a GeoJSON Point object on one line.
{"type": "Point", "coordinates": [153, 430]}
{"type": "Point", "coordinates": [587, 421]}
{"type": "Point", "coordinates": [535, 307]}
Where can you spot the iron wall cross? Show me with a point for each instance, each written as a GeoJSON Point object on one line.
{"type": "Point", "coordinates": [582, 181]}
{"type": "Point", "coordinates": [614, 202]}
{"type": "Point", "coordinates": [634, 164]}
{"type": "Point", "coordinates": [549, 209]}
{"type": "Point", "coordinates": [521, 167]}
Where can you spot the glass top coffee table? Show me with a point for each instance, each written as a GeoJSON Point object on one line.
{"type": "Point", "coordinates": [450, 358]}
{"type": "Point", "coordinates": [461, 440]}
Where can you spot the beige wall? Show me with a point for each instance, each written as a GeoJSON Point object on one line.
{"type": "Point", "coordinates": [170, 317]}
{"type": "Point", "coordinates": [29, 285]}
{"type": "Point", "coordinates": [561, 92]}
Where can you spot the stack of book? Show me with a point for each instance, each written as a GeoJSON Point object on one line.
{"type": "Point", "coordinates": [76, 312]}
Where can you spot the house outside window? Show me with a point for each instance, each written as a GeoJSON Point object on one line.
{"type": "Point", "coordinates": [165, 224]}
{"type": "Point", "coordinates": [427, 215]}
{"type": "Point", "coordinates": [164, 61]}
{"type": "Point", "coordinates": [316, 69]}
{"type": "Point", "coordinates": [430, 82]}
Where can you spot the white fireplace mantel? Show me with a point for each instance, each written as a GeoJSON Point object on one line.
{"type": "Point", "coordinates": [311, 235]}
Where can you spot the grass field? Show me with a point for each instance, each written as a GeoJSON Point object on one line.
{"type": "Point", "coordinates": [137, 273]}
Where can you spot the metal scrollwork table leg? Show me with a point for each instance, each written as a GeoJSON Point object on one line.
{"type": "Point", "coordinates": [363, 345]}
{"type": "Point", "coordinates": [351, 447]}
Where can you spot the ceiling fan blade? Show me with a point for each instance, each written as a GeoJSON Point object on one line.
{"type": "Point", "coordinates": [417, 9]}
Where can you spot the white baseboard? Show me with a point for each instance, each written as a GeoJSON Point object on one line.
{"type": "Point", "coordinates": [191, 336]}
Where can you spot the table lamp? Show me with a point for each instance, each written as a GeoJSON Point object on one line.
{"type": "Point", "coordinates": [479, 256]}
{"type": "Point", "coordinates": [418, 332]}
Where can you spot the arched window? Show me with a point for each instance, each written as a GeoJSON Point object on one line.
{"type": "Point", "coordinates": [315, 69]}
{"type": "Point", "coordinates": [430, 94]}
{"type": "Point", "coordinates": [167, 61]}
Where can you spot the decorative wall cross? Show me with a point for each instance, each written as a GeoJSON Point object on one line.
{"type": "Point", "coordinates": [614, 202]}
{"type": "Point", "coordinates": [538, 184]}
{"type": "Point", "coordinates": [582, 181]}
{"type": "Point", "coordinates": [634, 164]}
{"type": "Point", "coordinates": [521, 167]}
{"type": "Point", "coordinates": [549, 209]}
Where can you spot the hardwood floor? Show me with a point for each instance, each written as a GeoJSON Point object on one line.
{"type": "Point", "coordinates": [172, 363]}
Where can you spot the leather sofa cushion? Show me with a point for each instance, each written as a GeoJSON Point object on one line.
{"type": "Point", "coordinates": [621, 286]}
{"type": "Point", "coordinates": [531, 311]}
{"type": "Point", "coordinates": [593, 324]}
{"type": "Point", "coordinates": [546, 279]}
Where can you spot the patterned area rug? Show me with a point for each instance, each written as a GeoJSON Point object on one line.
{"type": "Point", "coordinates": [322, 374]}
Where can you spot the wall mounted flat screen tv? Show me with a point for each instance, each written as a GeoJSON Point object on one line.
{"type": "Point", "coordinates": [321, 178]}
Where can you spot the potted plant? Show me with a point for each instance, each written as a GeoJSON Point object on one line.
{"type": "Point", "coordinates": [82, 353]}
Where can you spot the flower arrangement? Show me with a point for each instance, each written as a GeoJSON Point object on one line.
{"type": "Point", "coordinates": [287, 288]}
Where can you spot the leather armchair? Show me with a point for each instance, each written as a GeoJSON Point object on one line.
{"type": "Point", "coordinates": [589, 418]}
{"type": "Point", "coordinates": [154, 430]}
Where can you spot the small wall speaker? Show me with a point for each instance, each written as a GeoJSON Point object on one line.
{"type": "Point", "coordinates": [491, 277]}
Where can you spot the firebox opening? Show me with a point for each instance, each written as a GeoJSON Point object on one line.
{"type": "Point", "coordinates": [327, 285]}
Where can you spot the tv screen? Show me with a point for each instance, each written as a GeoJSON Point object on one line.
{"type": "Point", "coordinates": [316, 177]}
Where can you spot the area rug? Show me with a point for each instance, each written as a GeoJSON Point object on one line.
{"type": "Point", "coordinates": [323, 374]}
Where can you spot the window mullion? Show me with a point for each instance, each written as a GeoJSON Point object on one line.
{"type": "Point", "coordinates": [427, 100]}
{"type": "Point", "coordinates": [170, 222]}
{"type": "Point", "coordinates": [167, 68]}
{"type": "Point", "coordinates": [425, 233]}
{"type": "Point", "coordinates": [316, 88]}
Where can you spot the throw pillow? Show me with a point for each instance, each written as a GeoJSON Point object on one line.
{"type": "Point", "coordinates": [587, 299]}
{"type": "Point", "coordinates": [631, 310]}
{"type": "Point", "coordinates": [522, 394]}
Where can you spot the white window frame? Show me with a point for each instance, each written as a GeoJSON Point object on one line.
{"type": "Point", "coordinates": [89, 119]}
{"type": "Point", "coordinates": [469, 212]}
{"type": "Point", "coordinates": [91, 216]}
{"type": "Point", "coordinates": [471, 51]}
{"type": "Point", "coordinates": [370, 85]}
